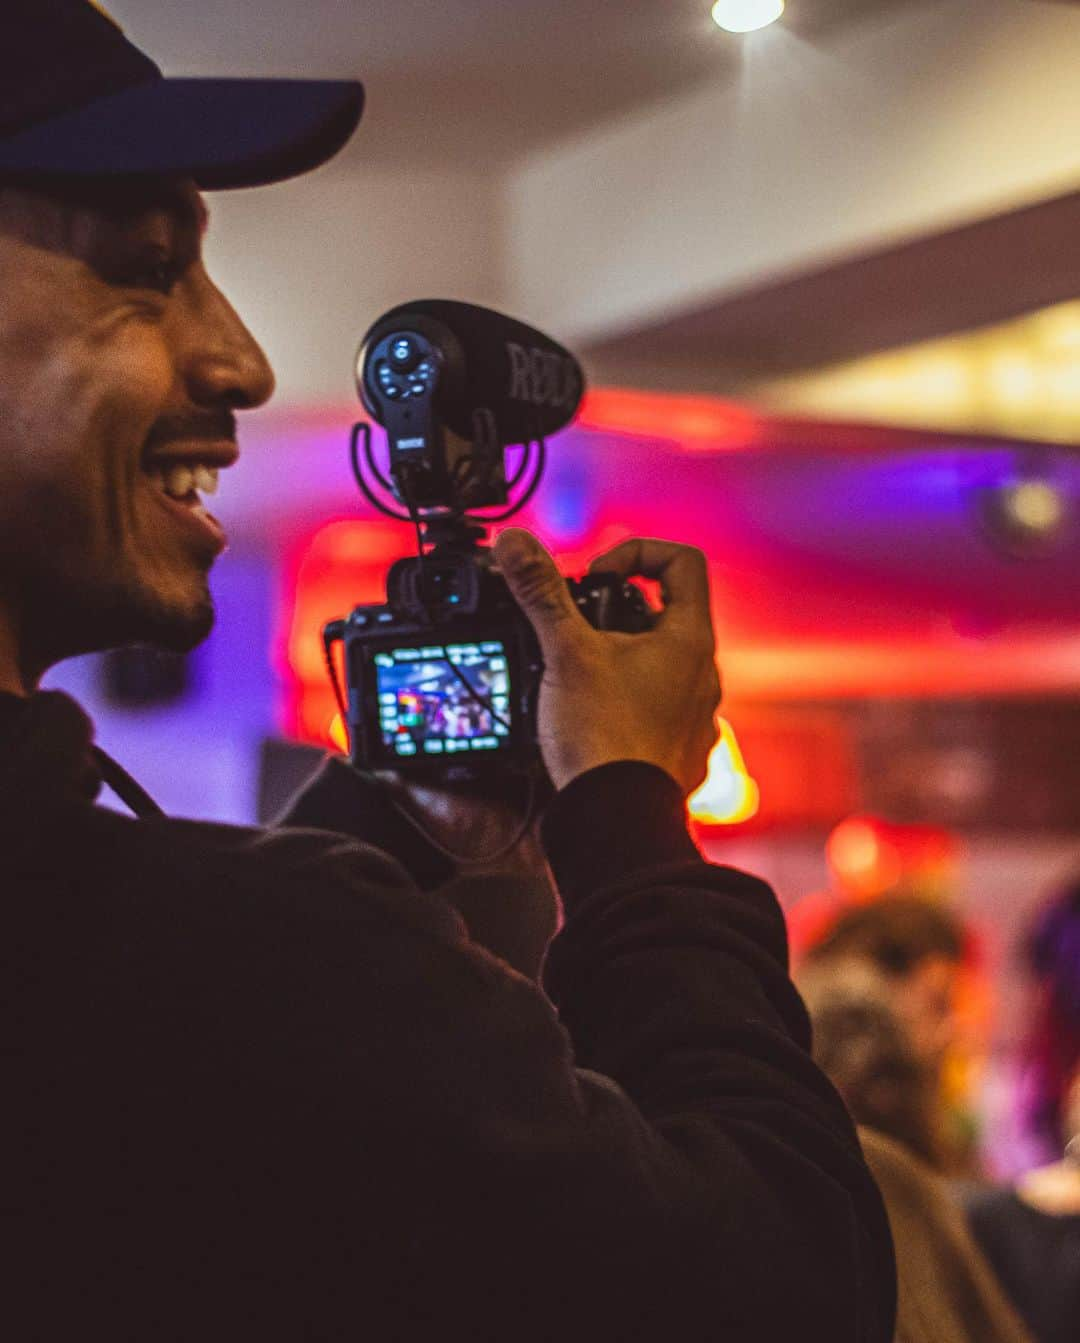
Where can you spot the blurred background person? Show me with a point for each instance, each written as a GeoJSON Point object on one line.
{"type": "Point", "coordinates": [1030, 1230]}
{"type": "Point", "coordinates": [866, 1052]}
{"type": "Point", "coordinates": [888, 973]}
{"type": "Point", "coordinates": [947, 1292]}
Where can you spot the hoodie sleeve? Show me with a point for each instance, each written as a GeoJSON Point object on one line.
{"type": "Point", "coordinates": [650, 1139]}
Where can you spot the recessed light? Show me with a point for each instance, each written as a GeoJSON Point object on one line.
{"type": "Point", "coordinates": [744, 16]}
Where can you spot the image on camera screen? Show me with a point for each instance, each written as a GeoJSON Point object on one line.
{"type": "Point", "coordinates": [424, 709]}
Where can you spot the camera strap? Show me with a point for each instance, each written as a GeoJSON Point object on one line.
{"type": "Point", "coordinates": [130, 792]}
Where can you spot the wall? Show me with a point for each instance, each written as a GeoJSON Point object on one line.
{"type": "Point", "coordinates": [311, 263]}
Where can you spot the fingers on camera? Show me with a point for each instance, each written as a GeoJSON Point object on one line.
{"type": "Point", "coordinates": [681, 571]}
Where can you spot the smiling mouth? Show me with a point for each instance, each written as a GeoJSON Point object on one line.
{"type": "Point", "coordinates": [181, 486]}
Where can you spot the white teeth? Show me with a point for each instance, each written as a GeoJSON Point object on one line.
{"type": "Point", "coordinates": [179, 481]}
{"type": "Point", "coordinates": [206, 479]}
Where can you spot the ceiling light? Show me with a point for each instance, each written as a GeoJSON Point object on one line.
{"type": "Point", "coordinates": [743, 16]}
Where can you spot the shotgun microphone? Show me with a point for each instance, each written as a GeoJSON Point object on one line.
{"type": "Point", "coordinates": [453, 382]}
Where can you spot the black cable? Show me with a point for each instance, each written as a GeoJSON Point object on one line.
{"type": "Point", "coordinates": [130, 792]}
{"type": "Point", "coordinates": [414, 517]}
{"type": "Point", "coordinates": [369, 456]}
{"type": "Point", "coordinates": [463, 859]}
{"type": "Point", "coordinates": [523, 499]}
{"type": "Point", "coordinates": [520, 471]}
{"type": "Point", "coordinates": [332, 634]}
{"type": "Point", "coordinates": [363, 428]}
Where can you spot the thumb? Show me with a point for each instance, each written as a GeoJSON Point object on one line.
{"type": "Point", "coordinates": [535, 583]}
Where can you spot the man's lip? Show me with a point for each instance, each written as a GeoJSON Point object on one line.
{"type": "Point", "coordinates": [212, 538]}
{"type": "Point", "coordinates": [214, 452]}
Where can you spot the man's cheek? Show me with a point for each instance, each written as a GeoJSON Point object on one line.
{"type": "Point", "coordinates": [137, 368]}
{"type": "Point", "coordinates": [133, 391]}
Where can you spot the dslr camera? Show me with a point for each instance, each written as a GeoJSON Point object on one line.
{"type": "Point", "coordinates": [443, 678]}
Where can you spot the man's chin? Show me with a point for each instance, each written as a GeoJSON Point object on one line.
{"type": "Point", "coordinates": [181, 636]}
{"type": "Point", "coordinates": [70, 618]}
{"type": "Point", "coordinates": [177, 630]}
{"type": "Point", "coordinates": [177, 626]}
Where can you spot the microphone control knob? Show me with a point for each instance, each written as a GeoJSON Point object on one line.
{"type": "Point", "coordinates": [404, 353]}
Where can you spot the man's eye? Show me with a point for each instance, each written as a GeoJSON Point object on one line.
{"type": "Point", "coordinates": [159, 275]}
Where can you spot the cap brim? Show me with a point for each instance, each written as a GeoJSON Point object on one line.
{"type": "Point", "coordinates": [221, 132]}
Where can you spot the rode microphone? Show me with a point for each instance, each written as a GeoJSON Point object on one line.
{"type": "Point", "coordinates": [453, 385]}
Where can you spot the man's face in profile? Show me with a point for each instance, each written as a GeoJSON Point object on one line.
{"type": "Point", "coordinates": [120, 367]}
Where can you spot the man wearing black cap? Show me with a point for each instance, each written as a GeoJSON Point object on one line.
{"type": "Point", "coordinates": [263, 1084]}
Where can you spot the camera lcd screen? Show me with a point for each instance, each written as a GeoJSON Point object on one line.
{"type": "Point", "coordinates": [425, 705]}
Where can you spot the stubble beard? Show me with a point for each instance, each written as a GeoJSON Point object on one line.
{"type": "Point", "coordinates": [69, 618]}
{"type": "Point", "coordinates": [137, 614]}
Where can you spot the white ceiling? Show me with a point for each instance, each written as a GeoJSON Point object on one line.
{"type": "Point", "coordinates": [464, 81]}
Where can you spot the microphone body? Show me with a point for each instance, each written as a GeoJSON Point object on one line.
{"type": "Point", "coordinates": [462, 357]}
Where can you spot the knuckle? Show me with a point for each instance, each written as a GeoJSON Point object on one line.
{"type": "Point", "coordinates": [533, 583]}
{"type": "Point", "coordinates": [692, 557]}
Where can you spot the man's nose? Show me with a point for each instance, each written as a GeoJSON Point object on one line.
{"type": "Point", "coordinates": [225, 364]}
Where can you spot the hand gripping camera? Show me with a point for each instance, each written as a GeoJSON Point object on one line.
{"type": "Point", "coordinates": [443, 678]}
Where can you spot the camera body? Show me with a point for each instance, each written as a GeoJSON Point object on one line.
{"type": "Point", "coordinates": [447, 683]}
{"type": "Point", "coordinates": [443, 678]}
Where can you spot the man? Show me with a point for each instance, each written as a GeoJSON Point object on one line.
{"type": "Point", "coordinates": [917, 948]}
{"type": "Point", "coordinates": [261, 1084]}
{"type": "Point", "coordinates": [898, 958]}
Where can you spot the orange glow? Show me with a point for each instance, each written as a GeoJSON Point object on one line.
{"type": "Point", "coordinates": [728, 795]}
{"type": "Point", "coordinates": [863, 863]}
{"type": "Point", "coordinates": [342, 565]}
{"type": "Point", "coordinates": [869, 856]}
{"type": "Point", "coordinates": [695, 422]}
{"type": "Point", "coordinates": [946, 665]}
{"type": "Point", "coordinates": [338, 734]}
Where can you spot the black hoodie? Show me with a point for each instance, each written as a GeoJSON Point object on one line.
{"type": "Point", "coordinates": [259, 1085]}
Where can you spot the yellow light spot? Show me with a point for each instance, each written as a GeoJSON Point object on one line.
{"type": "Point", "coordinates": [1057, 329]}
{"type": "Point", "coordinates": [862, 861]}
{"type": "Point", "coordinates": [338, 733]}
{"type": "Point", "coordinates": [1036, 505]}
{"type": "Point", "coordinates": [853, 848]}
{"type": "Point", "coordinates": [729, 794]}
{"type": "Point", "coordinates": [1012, 378]}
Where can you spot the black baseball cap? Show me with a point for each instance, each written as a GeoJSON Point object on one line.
{"type": "Point", "coordinates": [78, 100]}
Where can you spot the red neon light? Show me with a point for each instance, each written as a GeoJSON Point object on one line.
{"type": "Point", "coordinates": [342, 565]}
{"type": "Point", "coordinates": [868, 856]}
{"type": "Point", "coordinates": [696, 422]}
